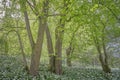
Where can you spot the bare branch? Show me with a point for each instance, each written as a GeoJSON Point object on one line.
{"type": "Point", "coordinates": [32, 7]}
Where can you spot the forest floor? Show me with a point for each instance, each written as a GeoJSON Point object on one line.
{"type": "Point", "coordinates": [11, 68]}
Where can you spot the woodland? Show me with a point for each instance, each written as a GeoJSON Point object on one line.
{"type": "Point", "coordinates": [59, 39]}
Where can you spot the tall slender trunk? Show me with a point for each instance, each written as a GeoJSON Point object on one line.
{"type": "Point", "coordinates": [103, 60]}
{"type": "Point", "coordinates": [58, 53]}
{"type": "Point", "coordinates": [32, 43]}
{"type": "Point", "coordinates": [36, 55]}
{"type": "Point", "coordinates": [23, 53]}
{"type": "Point", "coordinates": [6, 46]}
{"type": "Point", "coordinates": [70, 48]}
{"type": "Point", "coordinates": [59, 32]}
{"type": "Point", "coordinates": [35, 60]}
{"type": "Point", "coordinates": [68, 53]}
{"type": "Point", "coordinates": [106, 65]}
{"type": "Point", "coordinates": [101, 46]}
{"type": "Point", "coordinates": [22, 49]}
{"type": "Point", "coordinates": [50, 50]}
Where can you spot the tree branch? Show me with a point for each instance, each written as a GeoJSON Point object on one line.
{"type": "Point", "coordinates": [32, 7]}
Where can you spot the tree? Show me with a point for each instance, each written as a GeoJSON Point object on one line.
{"type": "Point", "coordinates": [59, 35]}
{"type": "Point", "coordinates": [50, 50]}
{"type": "Point", "coordinates": [70, 48]}
{"type": "Point", "coordinates": [99, 35]}
{"type": "Point", "coordinates": [36, 47]}
{"type": "Point", "coordinates": [99, 41]}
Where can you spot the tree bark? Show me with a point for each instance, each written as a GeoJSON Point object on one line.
{"type": "Point", "coordinates": [70, 48]}
{"type": "Point", "coordinates": [101, 46]}
{"type": "Point", "coordinates": [32, 43]}
{"type": "Point", "coordinates": [68, 53]}
{"type": "Point", "coordinates": [103, 60]}
{"type": "Point", "coordinates": [6, 47]}
{"type": "Point", "coordinates": [59, 32]}
{"type": "Point", "coordinates": [58, 53]}
{"type": "Point", "coordinates": [50, 50]}
{"type": "Point", "coordinates": [106, 66]}
{"type": "Point", "coordinates": [22, 49]}
{"type": "Point", "coordinates": [23, 53]}
{"type": "Point", "coordinates": [35, 60]}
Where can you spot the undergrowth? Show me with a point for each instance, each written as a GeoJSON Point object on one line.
{"type": "Point", "coordinates": [11, 68]}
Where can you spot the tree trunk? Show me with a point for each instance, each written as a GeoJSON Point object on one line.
{"type": "Point", "coordinates": [50, 50]}
{"type": "Point", "coordinates": [22, 49]}
{"type": "Point", "coordinates": [70, 48]}
{"type": "Point", "coordinates": [6, 47]}
{"type": "Point", "coordinates": [37, 48]}
{"type": "Point", "coordinates": [23, 53]}
{"type": "Point", "coordinates": [68, 53]}
{"type": "Point", "coordinates": [35, 60]}
{"type": "Point", "coordinates": [103, 61]}
{"type": "Point", "coordinates": [29, 30]}
{"type": "Point", "coordinates": [106, 66]}
{"type": "Point", "coordinates": [58, 47]}
{"type": "Point", "coordinates": [58, 53]}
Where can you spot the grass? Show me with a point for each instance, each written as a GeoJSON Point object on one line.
{"type": "Point", "coordinates": [11, 68]}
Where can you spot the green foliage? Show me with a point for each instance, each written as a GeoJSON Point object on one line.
{"type": "Point", "coordinates": [84, 20]}
{"type": "Point", "coordinates": [91, 74]}
{"type": "Point", "coordinates": [22, 4]}
{"type": "Point", "coordinates": [12, 69]}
